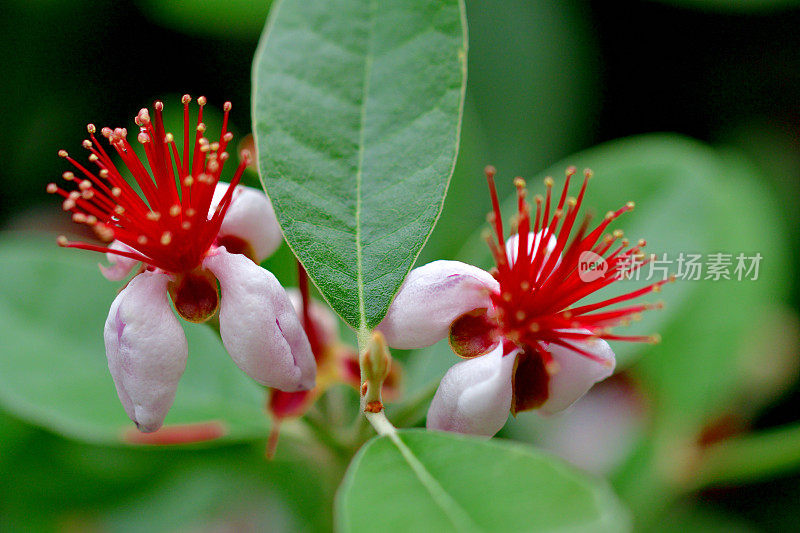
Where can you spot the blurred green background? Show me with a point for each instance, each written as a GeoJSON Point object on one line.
{"type": "Point", "coordinates": [547, 79]}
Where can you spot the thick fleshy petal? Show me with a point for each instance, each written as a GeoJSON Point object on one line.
{"type": "Point", "coordinates": [250, 218]}
{"type": "Point", "coordinates": [576, 373]}
{"type": "Point", "coordinates": [258, 325]}
{"type": "Point", "coordinates": [431, 298]}
{"type": "Point", "coordinates": [118, 266]}
{"type": "Point", "coordinates": [474, 396]}
{"type": "Point", "coordinates": [325, 322]}
{"type": "Point", "coordinates": [146, 349]}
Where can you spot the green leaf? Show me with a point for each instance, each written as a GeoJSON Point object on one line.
{"type": "Point", "coordinates": [357, 108]}
{"type": "Point", "coordinates": [53, 369]}
{"type": "Point", "coordinates": [427, 481]}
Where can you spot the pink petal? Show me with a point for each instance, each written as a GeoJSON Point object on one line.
{"type": "Point", "coordinates": [577, 373]}
{"type": "Point", "coordinates": [119, 267]}
{"type": "Point", "coordinates": [146, 349]}
{"type": "Point", "coordinates": [474, 396]}
{"type": "Point", "coordinates": [258, 325]}
{"type": "Point", "coordinates": [431, 298]}
{"type": "Point", "coordinates": [251, 218]}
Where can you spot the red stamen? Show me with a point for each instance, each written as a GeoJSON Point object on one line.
{"type": "Point", "coordinates": [532, 306]}
{"type": "Point", "coordinates": [168, 225]}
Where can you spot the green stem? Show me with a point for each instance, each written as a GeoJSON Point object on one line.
{"type": "Point", "coordinates": [378, 420]}
{"type": "Point", "coordinates": [381, 423]}
{"type": "Point", "coordinates": [750, 457]}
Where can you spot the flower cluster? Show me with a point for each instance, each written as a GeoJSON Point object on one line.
{"type": "Point", "coordinates": [190, 233]}
{"type": "Point", "coordinates": [525, 343]}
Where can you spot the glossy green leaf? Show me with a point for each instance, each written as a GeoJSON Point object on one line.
{"type": "Point", "coordinates": [53, 370]}
{"type": "Point", "coordinates": [430, 481]}
{"type": "Point", "coordinates": [357, 107]}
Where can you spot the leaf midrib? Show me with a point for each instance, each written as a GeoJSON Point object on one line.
{"type": "Point", "coordinates": [457, 515]}
{"type": "Point", "coordinates": [368, 58]}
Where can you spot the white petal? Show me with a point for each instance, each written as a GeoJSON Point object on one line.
{"type": "Point", "coordinates": [258, 325]}
{"type": "Point", "coordinates": [249, 217]}
{"type": "Point", "coordinates": [119, 267]}
{"type": "Point", "coordinates": [325, 322]}
{"type": "Point", "coordinates": [474, 396]}
{"type": "Point", "coordinates": [577, 373]}
{"type": "Point", "coordinates": [431, 298]}
{"type": "Point", "coordinates": [146, 349]}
